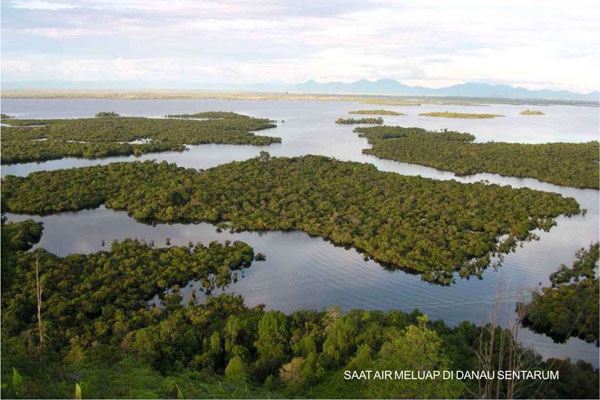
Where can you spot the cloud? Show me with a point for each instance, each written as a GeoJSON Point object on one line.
{"type": "Point", "coordinates": [41, 5]}
{"type": "Point", "coordinates": [525, 42]}
{"type": "Point", "coordinates": [16, 66]}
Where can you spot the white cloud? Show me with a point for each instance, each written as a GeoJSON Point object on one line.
{"type": "Point", "coordinates": [16, 66]}
{"type": "Point", "coordinates": [530, 43]}
{"type": "Point", "coordinates": [42, 5]}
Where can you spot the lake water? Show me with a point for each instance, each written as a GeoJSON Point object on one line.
{"type": "Point", "coordinates": [307, 272]}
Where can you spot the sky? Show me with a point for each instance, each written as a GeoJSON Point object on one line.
{"type": "Point", "coordinates": [434, 43]}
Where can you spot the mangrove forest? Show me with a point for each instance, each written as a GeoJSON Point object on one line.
{"type": "Point", "coordinates": [108, 134]}
{"type": "Point", "coordinates": [568, 164]}
{"type": "Point", "coordinates": [83, 326]}
{"type": "Point", "coordinates": [354, 121]}
{"type": "Point", "coordinates": [433, 228]}
{"type": "Point", "coordinates": [570, 306]}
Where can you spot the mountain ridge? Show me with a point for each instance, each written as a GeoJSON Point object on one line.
{"type": "Point", "coordinates": [469, 89]}
{"type": "Point", "coordinates": [363, 86]}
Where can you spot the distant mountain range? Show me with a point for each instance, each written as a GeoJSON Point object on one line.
{"type": "Point", "coordinates": [363, 86]}
{"type": "Point", "coordinates": [390, 86]}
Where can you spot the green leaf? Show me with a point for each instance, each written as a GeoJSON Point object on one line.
{"type": "Point", "coordinates": [17, 383]}
{"type": "Point", "coordinates": [17, 380]}
{"type": "Point", "coordinates": [77, 391]}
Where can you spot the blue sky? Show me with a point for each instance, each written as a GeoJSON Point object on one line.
{"type": "Point", "coordinates": [535, 44]}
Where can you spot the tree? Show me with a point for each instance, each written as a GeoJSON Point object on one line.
{"type": "Point", "coordinates": [292, 373]}
{"type": "Point", "coordinates": [235, 367]}
{"type": "Point", "coordinates": [272, 335]}
{"type": "Point", "coordinates": [264, 156]}
{"type": "Point", "coordinates": [417, 349]}
{"type": "Point", "coordinates": [38, 290]}
{"type": "Point", "coordinates": [271, 344]}
{"type": "Point", "coordinates": [363, 359]}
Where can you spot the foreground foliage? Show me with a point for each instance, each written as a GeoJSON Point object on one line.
{"type": "Point", "coordinates": [447, 114]}
{"type": "Point", "coordinates": [570, 306]}
{"type": "Point", "coordinates": [104, 295]}
{"type": "Point", "coordinates": [430, 227]}
{"type": "Point", "coordinates": [102, 339]}
{"type": "Point", "coordinates": [16, 237]}
{"type": "Point", "coordinates": [569, 164]}
{"type": "Point", "coordinates": [110, 135]}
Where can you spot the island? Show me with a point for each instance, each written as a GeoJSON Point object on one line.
{"type": "Point", "coordinates": [568, 164]}
{"type": "Point", "coordinates": [351, 121]}
{"type": "Point", "coordinates": [570, 306]}
{"type": "Point", "coordinates": [446, 114]}
{"type": "Point", "coordinates": [429, 227]}
{"type": "Point", "coordinates": [531, 112]}
{"type": "Point", "coordinates": [109, 134]}
{"type": "Point", "coordinates": [102, 114]}
{"type": "Point", "coordinates": [376, 112]}
{"type": "Point", "coordinates": [85, 325]}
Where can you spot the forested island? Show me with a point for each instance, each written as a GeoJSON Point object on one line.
{"type": "Point", "coordinates": [108, 134]}
{"type": "Point", "coordinates": [353, 121]}
{"type": "Point", "coordinates": [568, 164]}
{"type": "Point", "coordinates": [447, 114]}
{"type": "Point", "coordinates": [570, 306]}
{"type": "Point", "coordinates": [207, 114]}
{"type": "Point", "coordinates": [376, 112]}
{"type": "Point", "coordinates": [433, 228]}
{"type": "Point", "coordinates": [107, 114]}
{"type": "Point", "coordinates": [109, 288]}
{"type": "Point", "coordinates": [82, 326]}
{"type": "Point", "coordinates": [531, 112]}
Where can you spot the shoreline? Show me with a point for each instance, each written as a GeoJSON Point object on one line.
{"type": "Point", "coordinates": [373, 99]}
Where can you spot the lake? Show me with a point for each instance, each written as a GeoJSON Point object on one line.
{"type": "Point", "coordinates": [308, 272]}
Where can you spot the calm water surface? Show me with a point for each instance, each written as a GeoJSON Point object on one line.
{"type": "Point", "coordinates": [306, 272]}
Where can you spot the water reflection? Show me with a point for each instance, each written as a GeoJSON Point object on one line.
{"type": "Point", "coordinates": [309, 127]}
{"type": "Point", "coordinates": [308, 272]}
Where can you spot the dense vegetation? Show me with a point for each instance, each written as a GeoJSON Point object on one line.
{"type": "Point", "coordinates": [207, 115]}
{"type": "Point", "coordinates": [20, 151]}
{"type": "Point", "coordinates": [447, 114]}
{"type": "Point", "coordinates": [89, 302]}
{"type": "Point", "coordinates": [16, 237]}
{"type": "Point", "coordinates": [107, 114]}
{"type": "Point", "coordinates": [376, 112]}
{"type": "Point", "coordinates": [570, 306]}
{"type": "Point", "coordinates": [569, 164]}
{"type": "Point", "coordinates": [108, 135]}
{"type": "Point", "coordinates": [351, 121]}
{"type": "Point", "coordinates": [531, 112]}
{"type": "Point", "coordinates": [101, 296]}
{"type": "Point", "coordinates": [430, 227]}
{"type": "Point", "coordinates": [97, 333]}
